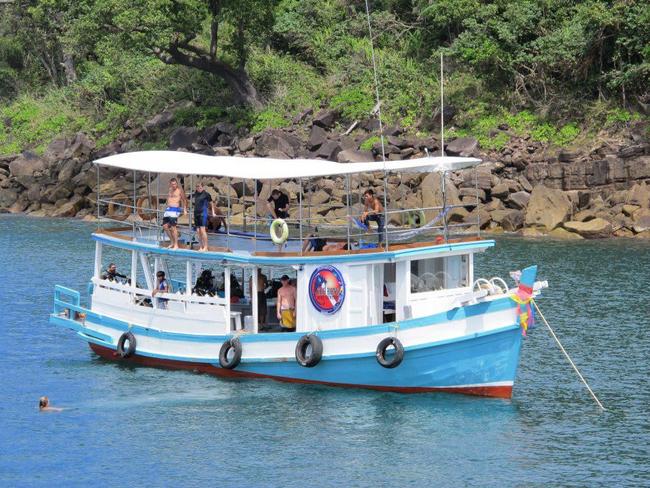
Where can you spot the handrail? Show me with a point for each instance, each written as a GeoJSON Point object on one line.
{"type": "Point", "coordinates": [167, 296]}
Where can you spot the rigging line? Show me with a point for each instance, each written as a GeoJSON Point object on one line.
{"type": "Point", "coordinates": [374, 71]}
{"type": "Point", "coordinates": [567, 355]}
{"type": "Point", "coordinates": [381, 127]}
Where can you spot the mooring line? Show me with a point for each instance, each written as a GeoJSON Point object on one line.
{"type": "Point", "coordinates": [567, 355]}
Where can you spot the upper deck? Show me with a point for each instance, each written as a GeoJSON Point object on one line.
{"type": "Point", "coordinates": [327, 206]}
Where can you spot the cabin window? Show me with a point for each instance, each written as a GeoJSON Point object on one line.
{"type": "Point", "coordinates": [439, 273]}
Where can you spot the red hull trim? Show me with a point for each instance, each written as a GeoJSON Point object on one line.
{"type": "Point", "coordinates": [106, 353]}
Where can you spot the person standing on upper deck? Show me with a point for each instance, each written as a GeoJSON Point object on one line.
{"type": "Point", "coordinates": [286, 305]}
{"type": "Point", "coordinates": [278, 204]}
{"type": "Point", "coordinates": [373, 210]}
{"type": "Point", "coordinates": [203, 205]}
{"type": "Point", "coordinates": [176, 200]}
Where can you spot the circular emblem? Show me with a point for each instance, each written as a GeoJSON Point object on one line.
{"type": "Point", "coordinates": [326, 289]}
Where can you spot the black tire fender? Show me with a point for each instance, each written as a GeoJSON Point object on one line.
{"type": "Point", "coordinates": [311, 360]}
{"type": "Point", "coordinates": [235, 344]}
{"type": "Point", "coordinates": [130, 350]}
{"type": "Point", "coordinates": [383, 346]}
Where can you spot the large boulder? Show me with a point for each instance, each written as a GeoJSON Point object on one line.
{"type": "Point", "coordinates": [463, 146]}
{"type": "Point", "coordinates": [55, 150]}
{"type": "Point", "coordinates": [80, 147]}
{"type": "Point", "coordinates": [354, 156]}
{"type": "Point", "coordinates": [547, 208]}
{"type": "Point", "coordinates": [8, 198]}
{"type": "Point", "coordinates": [325, 118]}
{"type": "Point", "coordinates": [478, 216]}
{"type": "Point", "coordinates": [69, 208]}
{"type": "Point", "coordinates": [317, 137]}
{"type": "Point", "coordinates": [329, 150]}
{"type": "Point", "coordinates": [69, 169]}
{"type": "Point", "coordinates": [182, 138]}
{"type": "Point", "coordinates": [510, 220]}
{"type": "Point", "coordinates": [641, 220]}
{"type": "Point", "coordinates": [431, 190]}
{"type": "Point", "coordinates": [159, 121]}
{"type": "Point", "coordinates": [519, 200]}
{"type": "Point", "coordinates": [276, 140]}
{"type": "Point", "coordinates": [593, 229]}
{"type": "Point", "coordinates": [639, 194]}
{"type": "Point", "coordinates": [27, 164]}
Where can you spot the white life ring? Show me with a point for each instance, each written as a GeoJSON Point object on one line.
{"type": "Point", "coordinates": [282, 238]}
{"type": "Point", "coordinates": [416, 218]}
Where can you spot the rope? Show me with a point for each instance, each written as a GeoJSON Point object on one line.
{"type": "Point", "coordinates": [374, 70]}
{"type": "Point", "coordinates": [567, 355]}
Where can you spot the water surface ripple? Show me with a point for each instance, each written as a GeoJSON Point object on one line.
{"type": "Point", "coordinates": [155, 427]}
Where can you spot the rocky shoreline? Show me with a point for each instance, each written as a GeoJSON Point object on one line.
{"type": "Point", "coordinates": [526, 188]}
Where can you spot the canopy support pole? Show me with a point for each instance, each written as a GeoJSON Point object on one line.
{"type": "Point", "coordinates": [228, 215]}
{"type": "Point", "coordinates": [300, 214]}
{"type": "Point", "coordinates": [243, 198]}
{"type": "Point", "coordinates": [255, 219]}
{"type": "Point", "coordinates": [443, 177]}
{"type": "Point", "coordinates": [133, 202]}
{"type": "Point", "coordinates": [347, 189]}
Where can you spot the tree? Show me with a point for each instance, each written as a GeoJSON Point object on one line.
{"type": "Point", "coordinates": [188, 33]}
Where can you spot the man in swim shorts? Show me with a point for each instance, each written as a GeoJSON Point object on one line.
{"type": "Point", "coordinates": [286, 305]}
{"type": "Point", "coordinates": [176, 200]}
{"type": "Point", "coordinates": [373, 211]}
{"type": "Point", "coordinates": [203, 205]}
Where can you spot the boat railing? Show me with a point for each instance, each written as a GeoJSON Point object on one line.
{"type": "Point", "coordinates": [138, 295]}
{"type": "Point", "coordinates": [246, 217]}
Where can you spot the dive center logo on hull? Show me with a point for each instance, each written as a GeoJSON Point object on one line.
{"type": "Point", "coordinates": [326, 289]}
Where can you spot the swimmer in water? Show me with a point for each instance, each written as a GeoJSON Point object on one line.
{"type": "Point", "coordinates": [44, 405]}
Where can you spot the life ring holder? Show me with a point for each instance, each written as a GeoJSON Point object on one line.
{"type": "Point", "coordinates": [416, 218]}
{"type": "Point", "coordinates": [115, 210]}
{"type": "Point", "coordinates": [316, 344]}
{"type": "Point", "coordinates": [282, 238]}
{"type": "Point", "coordinates": [382, 348]}
{"type": "Point", "coordinates": [147, 207]}
{"type": "Point", "coordinates": [130, 349]}
{"type": "Point", "coordinates": [230, 363]}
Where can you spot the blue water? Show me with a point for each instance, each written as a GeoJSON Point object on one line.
{"type": "Point", "coordinates": [141, 426]}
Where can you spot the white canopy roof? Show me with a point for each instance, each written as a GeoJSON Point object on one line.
{"type": "Point", "coordinates": [266, 168]}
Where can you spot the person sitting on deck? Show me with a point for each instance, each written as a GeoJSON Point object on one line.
{"type": "Point", "coordinates": [111, 274]}
{"type": "Point", "coordinates": [175, 200]}
{"type": "Point", "coordinates": [313, 243]}
{"type": "Point", "coordinates": [161, 286]}
{"type": "Point", "coordinates": [204, 284]}
{"type": "Point", "coordinates": [286, 305]}
{"type": "Point", "coordinates": [278, 204]}
{"type": "Point", "coordinates": [217, 221]}
{"type": "Point", "coordinates": [203, 206]}
{"type": "Point", "coordinates": [373, 211]}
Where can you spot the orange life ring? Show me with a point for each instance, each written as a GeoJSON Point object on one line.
{"type": "Point", "coordinates": [147, 207]}
{"type": "Point", "coordinates": [118, 211]}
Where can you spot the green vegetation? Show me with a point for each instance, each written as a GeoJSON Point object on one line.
{"type": "Point", "coordinates": [551, 70]}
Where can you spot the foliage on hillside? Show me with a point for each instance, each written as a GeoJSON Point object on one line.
{"type": "Point", "coordinates": [550, 69]}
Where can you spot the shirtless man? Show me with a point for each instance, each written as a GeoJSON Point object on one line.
{"type": "Point", "coordinates": [373, 210]}
{"type": "Point", "coordinates": [286, 306]}
{"type": "Point", "coordinates": [44, 405]}
{"type": "Point", "coordinates": [175, 200]}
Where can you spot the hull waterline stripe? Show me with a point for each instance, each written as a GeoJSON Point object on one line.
{"type": "Point", "coordinates": [496, 390]}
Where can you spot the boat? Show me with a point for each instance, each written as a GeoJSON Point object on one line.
{"type": "Point", "coordinates": [398, 310]}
